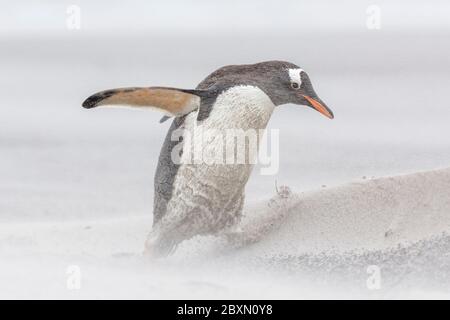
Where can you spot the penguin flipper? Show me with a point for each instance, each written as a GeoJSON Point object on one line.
{"type": "Point", "coordinates": [204, 112]}
{"type": "Point", "coordinates": [164, 119]}
{"type": "Point", "coordinates": [172, 101]}
{"type": "Point", "coordinates": [206, 105]}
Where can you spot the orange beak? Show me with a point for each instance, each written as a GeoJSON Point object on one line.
{"type": "Point", "coordinates": [320, 106]}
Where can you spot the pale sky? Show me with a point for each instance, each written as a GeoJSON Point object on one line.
{"type": "Point", "coordinates": [209, 17]}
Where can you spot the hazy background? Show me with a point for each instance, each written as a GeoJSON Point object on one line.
{"type": "Point", "coordinates": [388, 88]}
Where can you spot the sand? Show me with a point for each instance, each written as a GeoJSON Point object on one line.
{"type": "Point", "coordinates": [306, 245]}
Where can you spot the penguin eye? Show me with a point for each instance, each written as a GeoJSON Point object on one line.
{"type": "Point", "coordinates": [295, 85]}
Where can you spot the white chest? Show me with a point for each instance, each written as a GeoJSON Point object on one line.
{"type": "Point", "coordinates": [206, 184]}
{"type": "Point", "coordinates": [242, 107]}
{"type": "Point", "coordinates": [239, 114]}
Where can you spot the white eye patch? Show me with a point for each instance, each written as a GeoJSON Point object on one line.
{"type": "Point", "coordinates": [295, 76]}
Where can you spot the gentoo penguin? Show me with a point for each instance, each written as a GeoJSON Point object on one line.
{"type": "Point", "coordinates": [199, 197]}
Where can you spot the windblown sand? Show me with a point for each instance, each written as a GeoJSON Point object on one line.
{"type": "Point", "coordinates": [314, 244]}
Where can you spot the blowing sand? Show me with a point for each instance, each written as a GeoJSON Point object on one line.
{"type": "Point", "coordinates": [307, 245]}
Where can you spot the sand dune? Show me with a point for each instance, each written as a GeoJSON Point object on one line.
{"type": "Point", "coordinates": [369, 215]}
{"type": "Point", "coordinates": [399, 224]}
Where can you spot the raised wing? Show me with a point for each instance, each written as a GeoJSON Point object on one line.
{"type": "Point", "coordinates": [172, 101]}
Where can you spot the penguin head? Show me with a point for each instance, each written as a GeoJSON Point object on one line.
{"type": "Point", "coordinates": [285, 83]}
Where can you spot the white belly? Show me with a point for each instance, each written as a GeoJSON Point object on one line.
{"type": "Point", "coordinates": [208, 193]}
